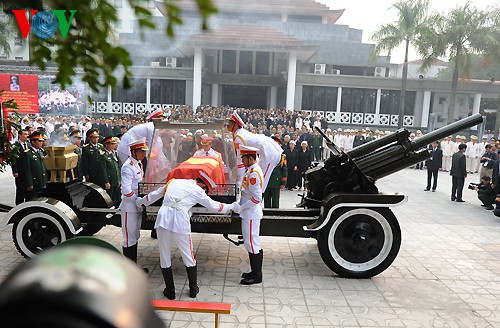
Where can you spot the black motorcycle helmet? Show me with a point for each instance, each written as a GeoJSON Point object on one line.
{"type": "Point", "coordinates": [79, 286]}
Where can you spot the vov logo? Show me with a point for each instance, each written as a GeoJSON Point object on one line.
{"type": "Point", "coordinates": [44, 24]}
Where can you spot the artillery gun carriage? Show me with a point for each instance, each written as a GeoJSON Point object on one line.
{"type": "Point", "coordinates": [358, 235]}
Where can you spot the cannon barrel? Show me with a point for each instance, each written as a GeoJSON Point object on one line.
{"type": "Point", "coordinates": [446, 131]}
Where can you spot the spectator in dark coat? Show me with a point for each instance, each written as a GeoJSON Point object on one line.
{"type": "Point", "coordinates": [292, 158]}
{"type": "Point", "coordinates": [433, 164]}
{"type": "Point", "coordinates": [458, 173]}
{"type": "Point", "coordinates": [304, 162]}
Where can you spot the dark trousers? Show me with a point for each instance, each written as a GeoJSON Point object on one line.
{"type": "Point", "coordinates": [272, 197]}
{"type": "Point", "coordinates": [20, 191]}
{"type": "Point", "coordinates": [430, 174]}
{"type": "Point", "coordinates": [292, 179]}
{"type": "Point", "coordinates": [487, 200]}
{"type": "Point", "coordinates": [457, 186]}
{"type": "Point", "coordinates": [316, 153]}
{"type": "Point", "coordinates": [30, 194]}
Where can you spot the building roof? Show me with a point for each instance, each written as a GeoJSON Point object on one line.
{"type": "Point", "coordinates": [298, 7]}
{"type": "Point", "coordinates": [248, 35]}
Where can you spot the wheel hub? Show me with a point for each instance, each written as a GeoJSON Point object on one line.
{"type": "Point", "coordinates": [359, 239]}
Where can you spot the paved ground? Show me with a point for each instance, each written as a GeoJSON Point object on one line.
{"type": "Point", "coordinates": [447, 273]}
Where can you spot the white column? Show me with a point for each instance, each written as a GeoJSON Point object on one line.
{"type": "Point", "coordinates": [215, 95]}
{"type": "Point", "coordinates": [290, 87]}
{"type": "Point", "coordinates": [197, 78]}
{"type": "Point", "coordinates": [477, 102]}
{"type": "Point", "coordinates": [109, 99]}
{"type": "Point", "coordinates": [475, 107]}
{"type": "Point", "coordinates": [377, 106]}
{"type": "Point", "coordinates": [426, 106]}
{"type": "Point", "coordinates": [148, 91]}
{"type": "Point", "coordinates": [339, 104]}
{"type": "Point", "coordinates": [274, 97]}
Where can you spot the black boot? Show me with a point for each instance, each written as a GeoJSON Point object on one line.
{"type": "Point", "coordinates": [249, 274]}
{"type": "Point", "coordinates": [169, 290]}
{"type": "Point", "coordinates": [130, 253]}
{"type": "Point", "coordinates": [256, 266]}
{"type": "Point", "coordinates": [153, 234]}
{"type": "Point", "coordinates": [192, 273]}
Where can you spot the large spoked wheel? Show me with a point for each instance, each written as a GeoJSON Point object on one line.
{"type": "Point", "coordinates": [360, 242]}
{"type": "Point", "coordinates": [37, 232]}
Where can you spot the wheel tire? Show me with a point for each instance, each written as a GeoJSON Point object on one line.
{"type": "Point", "coordinates": [38, 231]}
{"type": "Point", "coordinates": [360, 242]}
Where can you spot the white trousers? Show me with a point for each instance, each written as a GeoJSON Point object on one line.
{"type": "Point", "coordinates": [183, 242]}
{"type": "Point", "coordinates": [251, 239]}
{"type": "Point", "coordinates": [131, 228]}
{"type": "Point", "coordinates": [472, 164]}
{"type": "Point", "coordinates": [447, 163]}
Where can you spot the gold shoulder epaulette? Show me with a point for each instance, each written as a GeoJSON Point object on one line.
{"type": "Point", "coordinates": [27, 150]}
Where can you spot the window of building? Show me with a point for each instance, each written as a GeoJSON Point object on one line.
{"type": "Point", "coordinates": [390, 100]}
{"type": "Point", "coordinates": [136, 93]}
{"type": "Point", "coordinates": [319, 98]}
{"type": "Point", "coordinates": [168, 91]}
{"type": "Point", "coordinates": [246, 59]}
{"type": "Point", "coordinates": [442, 100]}
{"type": "Point", "coordinates": [358, 100]}
{"type": "Point", "coordinates": [229, 61]}
{"type": "Point", "coordinates": [262, 63]}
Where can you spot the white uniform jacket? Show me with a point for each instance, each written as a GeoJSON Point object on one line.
{"type": "Point", "coordinates": [269, 152]}
{"type": "Point", "coordinates": [132, 174]}
{"type": "Point", "coordinates": [144, 130]}
{"type": "Point", "coordinates": [251, 193]}
{"type": "Point", "coordinates": [179, 196]}
{"type": "Point", "coordinates": [209, 153]}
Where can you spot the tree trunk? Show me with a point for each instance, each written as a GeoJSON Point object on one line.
{"type": "Point", "coordinates": [453, 92]}
{"type": "Point", "coordinates": [403, 88]}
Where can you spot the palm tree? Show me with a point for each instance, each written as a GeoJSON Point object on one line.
{"type": "Point", "coordinates": [465, 32]}
{"type": "Point", "coordinates": [412, 21]}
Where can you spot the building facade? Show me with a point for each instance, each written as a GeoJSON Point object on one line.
{"type": "Point", "coordinates": [268, 54]}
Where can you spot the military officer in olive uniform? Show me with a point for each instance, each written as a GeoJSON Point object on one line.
{"type": "Point", "coordinates": [76, 139]}
{"type": "Point", "coordinates": [90, 157]}
{"type": "Point", "coordinates": [32, 165]}
{"type": "Point", "coordinates": [277, 181]}
{"type": "Point", "coordinates": [110, 170]}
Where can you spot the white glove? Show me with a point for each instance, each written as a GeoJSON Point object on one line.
{"type": "Point", "coordinates": [140, 201]}
{"type": "Point", "coordinates": [248, 204]}
{"type": "Point", "coordinates": [235, 207]}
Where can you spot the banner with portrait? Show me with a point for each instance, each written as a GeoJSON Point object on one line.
{"type": "Point", "coordinates": [23, 88]}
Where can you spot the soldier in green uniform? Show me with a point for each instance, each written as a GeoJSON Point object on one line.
{"type": "Point", "coordinates": [90, 157]}
{"type": "Point", "coordinates": [110, 170]}
{"type": "Point", "coordinates": [32, 165]}
{"type": "Point", "coordinates": [277, 181]}
{"type": "Point", "coordinates": [76, 139]}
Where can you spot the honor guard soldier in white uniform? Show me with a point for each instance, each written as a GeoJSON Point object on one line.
{"type": "Point", "coordinates": [206, 150]}
{"type": "Point", "coordinates": [137, 132]}
{"type": "Point", "coordinates": [132, 174]}
{"type": "Point", "coordinates": [251, 213]}
{"type": "Point", "coordinates": [269, 150]}
{"type": "Point", "coordinates": [173, 224]}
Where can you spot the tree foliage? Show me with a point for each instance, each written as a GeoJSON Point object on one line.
{"type": "Point", "coordinates": [87, 45]}
{"type": "Point", "coordinates": [412, 23]}
{"type": "Point", "coordinates": [466, 31]}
